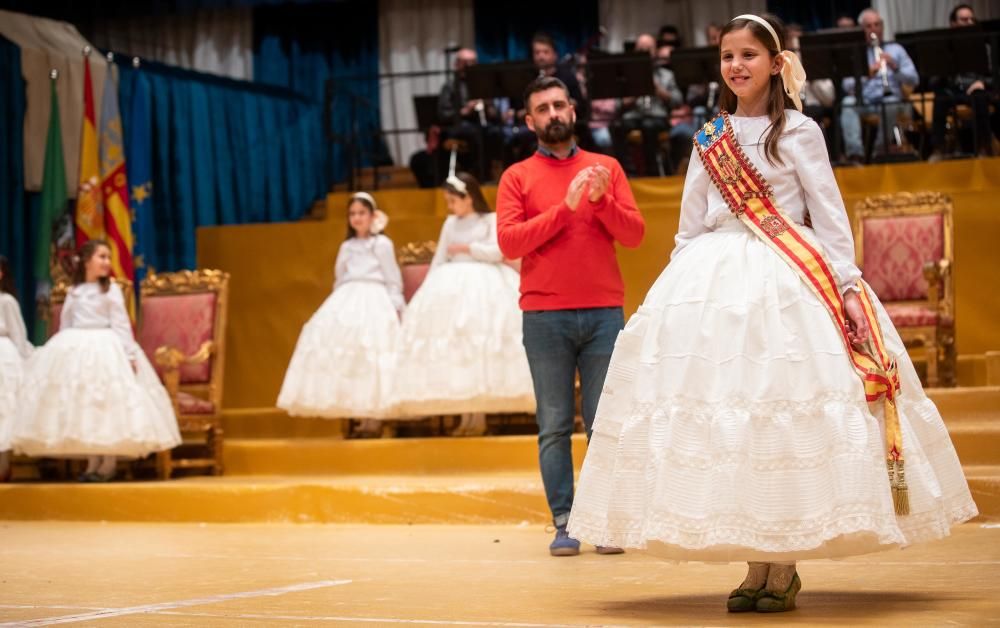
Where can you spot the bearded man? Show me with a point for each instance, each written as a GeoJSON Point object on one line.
{"type": "Point", "coordinates": [562, 210]}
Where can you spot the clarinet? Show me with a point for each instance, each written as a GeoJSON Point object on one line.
{"type": "Point", "coordinates": [883, 70]}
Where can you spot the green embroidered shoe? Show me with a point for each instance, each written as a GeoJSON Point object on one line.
{"type": "Point", "coordinates": [743, 600]}
{"type": "Point", "coordinates": [771, 602]}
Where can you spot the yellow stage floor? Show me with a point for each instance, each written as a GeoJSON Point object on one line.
{"type": "Point", "coordinates": [251, 575]}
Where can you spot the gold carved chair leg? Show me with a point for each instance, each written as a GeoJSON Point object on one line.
{"type": "Point", "coordinates": [932, 351]}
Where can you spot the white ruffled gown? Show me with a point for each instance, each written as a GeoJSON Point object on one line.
{"type": "Point", "coordinates": [345, 357]}
{"type": "Point", "coordinates": [14, 350]}
{"type": "Point", "coordinates": [731, 425]}
{"type": "Point", "coordinates": [80, 395]}
{"type": "Point", "coordinates": [461, 349]}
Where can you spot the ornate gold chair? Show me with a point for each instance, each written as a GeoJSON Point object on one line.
{"type": "Point", "coordinates": [904, 245]}
{"type": "Point", "coordinates": [183, 331]}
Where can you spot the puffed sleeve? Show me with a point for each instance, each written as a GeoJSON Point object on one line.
{"type": "Point", "coordinates": [340, 266]}
{"type": "Point", "coordinates": [824, 203]}
{"type": "Point", "coordinates": [386, 254]}
{"type": "Point", "coordinates": [66, 313]}
{"type": "Point", "coordinates": [488, 250]}
{"type": "Point", "coordinates": [120, 322]}
{"type": "Point", "coordinates": [15, 326]}
{"type": "Point", "coordinates": [441, 252]}
{"type": "Point", "coordinates": [694, 204]}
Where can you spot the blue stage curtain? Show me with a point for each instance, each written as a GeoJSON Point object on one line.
{"type": "Point", "coordinates": [224, 152]}
{"type": "Point", "coordinates": [301, 47]}
{"type": "Point", "coordinates": [504, 29]}
{"type": "Point", "coordinates": [17, 207]}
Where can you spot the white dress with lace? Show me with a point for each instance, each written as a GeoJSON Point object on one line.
{"type": "Point", "coordinates": [81, 394]}
{"type": "Point", "coordinates": [461, 348]}
{"type": "Point", "coordinates": [731, 425]}
{"type": "Point", "coordinates": [345, 357]}
{"type": "Point", "coordinates": [14, 350]}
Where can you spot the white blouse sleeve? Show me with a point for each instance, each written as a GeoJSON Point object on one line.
{"type": "Point", "coordinates": [66, 312]}
{"type": "Point", "coordinates": [824, 203]}
{"type": "Point", "coordinates": [386, 254]}
{"type": "Point", "coordinates": [441, 252]}
{"type": "Point", "coordinates": [120, 322]}
{"type": "Point", "coordinates": [15, 327]}
{"type": "Point", "coordinates": [488, 250]}
{"type": "Point", "coordinates": [340, 266]}
{"type": "Point", "coordinates": [694, 204]}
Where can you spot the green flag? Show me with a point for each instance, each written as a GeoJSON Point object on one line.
{"type": "Point", "coordinates": [53, 207]}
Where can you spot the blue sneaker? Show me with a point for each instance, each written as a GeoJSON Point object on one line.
{"type": "Point", "coordinates": [563, 544]}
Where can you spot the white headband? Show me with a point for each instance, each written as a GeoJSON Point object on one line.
{"type": "Point", "coordinates": [793, 75]}
{"type": "Point", "coordinates": [381, 219]}
{"type": "Point", "coordinates": [762, 22]}
{"type": "Point", "coordinates": [452, 179]}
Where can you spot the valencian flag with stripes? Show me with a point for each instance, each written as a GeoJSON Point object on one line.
{"type": "Point", "coordinates": [89, 209]}
{"type": "Point", "coordinates": [114, 183]}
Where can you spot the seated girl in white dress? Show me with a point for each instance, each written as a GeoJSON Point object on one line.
{"type": "Point", "coordinates": [14, 350]}
{"type": "Point", "coordinates": [90, 391]}
{"type": "Point", "coordinates": [461, 349]}
{"type": "Point", "coordinates": [344, 359]}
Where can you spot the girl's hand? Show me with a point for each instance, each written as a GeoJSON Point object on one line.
{"type": "Point", "coordinates": [457, 249]}
{"type": "Point", "coordinates": [857, 324]}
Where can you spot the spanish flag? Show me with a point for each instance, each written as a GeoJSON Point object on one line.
{"type": "Point", "coordinates": [114, 182]}
{"type": "Point", "coordinates": [89, 209]}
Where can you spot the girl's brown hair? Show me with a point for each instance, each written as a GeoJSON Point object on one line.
{"type": "Point", "coordinates": [87, 251]}
{"type": "Point", "coordinates": [472, 190]}
{"type": "Point", "coordinates": [777, 100]}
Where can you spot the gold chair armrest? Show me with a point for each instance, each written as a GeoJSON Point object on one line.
{"type": "Point", "coordinates": [171, 359]}
{"type": "Point", "coordinates": [935, 273]}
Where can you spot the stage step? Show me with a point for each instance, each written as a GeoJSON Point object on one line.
{"type": "Point", "coordinates": [388, 456]}
{"type": "Point", "coordinates": [310, 474]}
{"type": "Point", "coordinates": [465, 498]}
{"type": "Point", "coordinates": [984, 482]}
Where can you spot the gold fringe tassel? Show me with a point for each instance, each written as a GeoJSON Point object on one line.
{"type": "Point", "coordinates": [897, 481]}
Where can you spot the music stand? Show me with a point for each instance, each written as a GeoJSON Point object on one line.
{"type": "Point", "coordinates": [426, 108]}
{"type": "Point", "coordinates": [835, 55]}
{"type": "Point", "coordinates": [947, 51]}
{"type": "Point", "coordinates": [499, 80]}
{"type": "Point", "coordinates": [620, 76]}
{"type": "Point", "coordinates": [695, 66]}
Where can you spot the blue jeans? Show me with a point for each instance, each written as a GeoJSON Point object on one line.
{"type": "Point", "coordinates": [558, 343]}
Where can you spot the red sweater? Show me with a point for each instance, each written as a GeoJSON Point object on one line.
{"type": "Point", "coordinates": [568, 257]}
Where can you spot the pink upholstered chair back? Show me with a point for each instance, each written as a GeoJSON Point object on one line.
{"type": "Point", "coordinates": [182, 321]}
{"type": "Point", "coordinates": [414, 263]}
{"type": "Point", "coordinates": [55, 317]}
{"type": "Point", "coordinates": [413, 277]}
{"type": "Point", "coordinates": [895, 251]}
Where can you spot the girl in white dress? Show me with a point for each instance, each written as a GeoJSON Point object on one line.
{"type": "Point", "coordinates": [733, 425]}
{"type": "Point", "coordinates": [90, 390]}
{"type": "Point", "coordinates": [14, 350]}
{"type": "Point", "coordinates": [461, 350]}
{"type": "Point", "coordinates": [343, 362]}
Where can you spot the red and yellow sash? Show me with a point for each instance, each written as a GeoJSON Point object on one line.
{"type": "Point", "coordinates": [751, 200]}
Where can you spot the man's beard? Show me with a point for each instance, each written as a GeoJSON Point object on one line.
{"type": "Point", "coordinates": [556, 132]}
